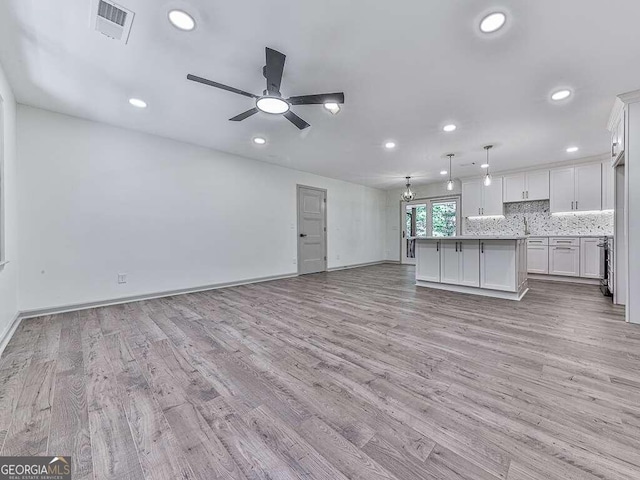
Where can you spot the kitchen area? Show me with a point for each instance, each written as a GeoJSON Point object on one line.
{"type": "Point", "coordinates": [554, 224]}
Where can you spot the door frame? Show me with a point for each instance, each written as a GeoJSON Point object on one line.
{"type": "Point", "coordinates": [324, 212]}
{"type": "Point", "coordinates": [427, 201]}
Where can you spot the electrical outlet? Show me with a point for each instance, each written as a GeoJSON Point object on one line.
{"type": "Point", "coordinates": [122, 278]}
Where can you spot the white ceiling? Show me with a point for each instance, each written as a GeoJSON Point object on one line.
{"type": "Point", "coordinates": [407, 68]}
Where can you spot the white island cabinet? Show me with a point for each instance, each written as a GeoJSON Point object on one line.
{"type": "Point", "coordinates": [489, 266]}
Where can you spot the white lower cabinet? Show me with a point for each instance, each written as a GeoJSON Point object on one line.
{"type": "Point", "coordinates": [591, 264]}
{"type": "Point", "coordinates": [459, 262]}
{"type": "Point", "coordinates": [498, 265]}
{"type": "Point", "coordinates": [538, 259]}
{"type": "Point", "coordinates": [428, 269]}
{"type": "Point", "coordinates": [564, 260]}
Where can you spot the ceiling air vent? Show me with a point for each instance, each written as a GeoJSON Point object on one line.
{"type": "Point", "coordinates": [112, 20]}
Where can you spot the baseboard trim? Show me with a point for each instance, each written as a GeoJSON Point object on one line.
{"type": "Point", "coordinates": [9, 331]}
{"type": "Point", "coordinates": [517, 296]}
{"type": "Point", "coordinates": [137, 298]}
{"type": "Point", "coordinates": [562, 279]}
{"type": "Point", "coordinates": [356, 265]}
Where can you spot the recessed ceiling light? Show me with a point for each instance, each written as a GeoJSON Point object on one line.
{"type": "Point", "coordinates": [561, 94]}
{"type": "Point", "coordinates": [182, 20]}
{"type": "Point", "coordinates": [484, 165]}
{"type": "Point", "coordinates": [449, 128]}
{"type": "Point", "coordinates": [390, 145]}
{"type": "Point", "coordinates": [273, 105]}
{"type": "Point", "coordinates": [259, 141]}
{"type": "Point", "coordinates": [333, 107]}
{"type": "Point", "coordinates": [572, 149]}
{"type": "Point", "coordinates": [493, 22]}
{"type": "Point", "coordinates": [136, 102]}
{"type": "Point", "coordinates": [443, 172]}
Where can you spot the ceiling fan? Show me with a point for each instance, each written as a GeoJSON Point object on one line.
{"type": "Point", "coordinates": [271, 100]}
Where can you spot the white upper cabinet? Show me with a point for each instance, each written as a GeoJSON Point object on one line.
{"type": "Point", "coordinates": [562, 183]}
{"type": "Point", "coordinates": [576, 189]}
{"type": "Point", "coordinates": [514, 188]}
{"type": "Point", "coordinates": [588, 187]}
{"type": "Point", "coordinates": [537, 184]}
{"type": "Point", "coordinates": [521, 187]}
{"type": "Point", "coordinates": [479, 200]}
{"type": "Point", "coordinates": [492, 203]}
{"type": "Point", "coordinates": [608, 180]}
{"type": "Point", "coordinates": [472, 198]}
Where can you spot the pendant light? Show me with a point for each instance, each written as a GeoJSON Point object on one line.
{"type": "Point", "coordinates": [408, 195]}
{"type": "Point", "coordinates": [487, 177]}
{"type": "Point", "coordinates": [450, 182]}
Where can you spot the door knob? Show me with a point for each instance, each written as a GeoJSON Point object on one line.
{"type": "Point", "coordinates": [303, 235]}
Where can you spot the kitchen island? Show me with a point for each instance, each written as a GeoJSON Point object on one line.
{"type": "Point", "coordinates": [492, 266]}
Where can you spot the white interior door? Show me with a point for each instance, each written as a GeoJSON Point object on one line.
{"type": "Point", "coordinates": [312, 222]}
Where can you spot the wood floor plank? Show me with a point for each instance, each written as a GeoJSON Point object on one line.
{"type": "Point", "coordinates": [355, 374]}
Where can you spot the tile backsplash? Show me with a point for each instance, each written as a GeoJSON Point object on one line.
{"type": "Point", "coordinates": [541, 222]}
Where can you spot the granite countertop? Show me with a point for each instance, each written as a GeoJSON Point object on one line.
{"type": "Point", "coordinates": [473, 237]}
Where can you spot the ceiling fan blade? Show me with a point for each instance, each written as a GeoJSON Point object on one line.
{"type": "Point", "coordinates": [243, 115]}
{"type": "Point", "coordinates": [317, 99]}
{"type": "Point", "coordinates": [273, 70]}
{"type": "Point", "coordinates": [296, 120]}
{"type": "Point", "coordinates": [211, 83]}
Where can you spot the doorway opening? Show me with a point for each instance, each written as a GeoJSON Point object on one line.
{"type": "Point", "coordinates": [436, 217]}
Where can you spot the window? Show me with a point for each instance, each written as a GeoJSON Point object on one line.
{"type": "Point", "coordinates": [444, 218]}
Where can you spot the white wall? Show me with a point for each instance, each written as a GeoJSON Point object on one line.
{"type": "Point", "coordinates": [394, 214]}
{"type": "Point", "coordinates": [9, 272]}
{"type": "Point", "coordinates": [96, 201]}
{"type": "Point", "coordinates": [632, 192]}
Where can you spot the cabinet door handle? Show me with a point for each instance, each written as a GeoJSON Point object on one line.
{"type": "Point", "coordinates": [456, 247]}
{"type": "Point", "coordinates": [437, 246]}
{"type": "Point", "coordinates": [613, 149]}
{"type": "Point", "coordinates": [523, 195]}
{"type": "Point", "coordinates": [576, 204]}
{"type": "Point", "coordinates": [461, 246]}
{"type": "Point", "coordinates": [527, 193]}
{"type": "Point", "coordinates": [571, 205]}
{"type": "Point", "coordinates": [481, 247]}
{"type": "Point", "coordinates": [478, 211]}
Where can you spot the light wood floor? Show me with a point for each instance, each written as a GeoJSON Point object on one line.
{"type": "Point", "coordinates": [351, 374]}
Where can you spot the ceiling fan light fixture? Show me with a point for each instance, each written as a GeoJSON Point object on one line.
{"type": "Point", "coordinates": [182, 20]}
{"type": "Point", "coordinates": [272, 105]}
{"type": "Point", "coordinates": [332, 107]}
